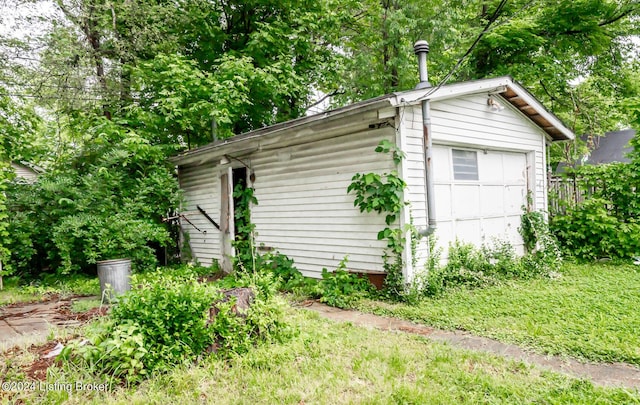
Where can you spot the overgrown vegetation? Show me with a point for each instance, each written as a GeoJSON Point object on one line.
{"type": "Point", "coordinates": [107, 204]}
{"type": "Point", "coordinates": [342, 289]}
{"type": "Point", "coordinates": [607, 223]}
{"type": "Point", "coordinates": [472, 267]}
{"type": "Point", "coordinates": [568, 314]}
{"type": "Point", "coordinates": [493, 263]}
{"type": "Point", "coordinates": [167, 320]}
{"type": "Point", "coordinates": [18, 289]}
{"type": "Point", "coordinates": [244, 242]}
{"type": "Point", "coordinates": [329, 363]}
{"type": "Point", "coordinates": [383, 193]}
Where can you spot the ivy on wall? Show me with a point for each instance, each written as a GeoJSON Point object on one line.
{"type": "Point", "coordinates": [383, 194]}
{"type": "Point", "coordinates": [244, 229]}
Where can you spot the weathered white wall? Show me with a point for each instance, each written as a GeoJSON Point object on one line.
{"type": "Point", "coordinates": [24, 173]}
{"type": "Point", "coordinates": [201, 186]}
{"type": "Point", "coordinates": [467, 122]}
{"type": "Point", "coordinates": [304, 210]}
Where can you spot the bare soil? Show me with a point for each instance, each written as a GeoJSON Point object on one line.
{"type": "Point", "coordinates": [57, 311]}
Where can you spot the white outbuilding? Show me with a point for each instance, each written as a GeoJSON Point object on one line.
{"type": "Point", "coordinates": [486, 159]}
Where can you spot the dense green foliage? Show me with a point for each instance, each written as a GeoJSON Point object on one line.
{"type": "Point", "coordinates": [471, 267]}
{"type": "Point", "coordinates": [244, 242]}
{"type": "Point", "coordinates": [606, 223]}
{"type": "Point", "coordinates": [383, 194]}
{"type": "Point", "coordinates": [575, 56]}
{"type": "Point", "coordinates": [18, 123]}
{"type": "Point", "coordinates": [175, 75]}
{"type": "Point", "coordinates": [165, 321]}
{"type": "Point", "coordinates": [107, 204]}
{"type": "Point", "coordinates": [342, 289]}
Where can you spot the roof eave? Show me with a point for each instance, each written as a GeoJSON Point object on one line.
{"type": "Point", "coordinates": [195, 154]}
{"type": "Point", "coordinates": [524, 101]}
{"type": "Point", "coordinates": [508, 88]}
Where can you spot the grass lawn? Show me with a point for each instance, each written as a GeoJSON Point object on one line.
{"type": "Point", "coordinates": [329, 363]}
{"type": "Point", "coordinates": [591, 312]}
{"type": "Point", "coordinates": [64, 286]}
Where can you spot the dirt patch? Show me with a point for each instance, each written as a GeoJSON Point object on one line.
{"type": "Point", "coordinates": [55, 312]}
{"type": "Point", "coordinates": [38, 369]}
{"type": "Point", "coordinates": [65, 314]}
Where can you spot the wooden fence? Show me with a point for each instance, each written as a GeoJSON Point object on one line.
{"type": "Point", "coordinates": [566, 192]}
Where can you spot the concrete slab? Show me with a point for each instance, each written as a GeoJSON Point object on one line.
{"type": "Point", "coordinates": [7, 332]}
{"type": "Point", "coordinates": [25, 321]}
{"type": "Point", "coordinates": [41, 327]}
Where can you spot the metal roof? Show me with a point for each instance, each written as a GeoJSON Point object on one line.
{"type": "Point", "coordinates": [505, 86]}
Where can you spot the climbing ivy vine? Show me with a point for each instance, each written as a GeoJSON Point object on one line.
{"type": "Point", "coordinates": [383, 194]}
{"type": "Point", "coordinates": [244, 228]}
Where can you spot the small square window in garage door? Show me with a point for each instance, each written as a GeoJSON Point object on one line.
{"type": "Point", "coordinates": [465, 164]}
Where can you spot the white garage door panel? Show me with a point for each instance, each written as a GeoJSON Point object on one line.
{"type": "Point", "coordinates": [469, 231]}
{"type": "Point", "coordinates": [480, 211]}
{"type": "Point", "coordinates": [466, 200]}
{"type": "Point", "coordinates": [515, 167]}
{"type": "Point", "coordinates": [445, 234]}
{"type": "Point", "coordinates": [444, 204]}
{"type": "Point", "coordinates": [491, 227]}
{"type": "Point", "coordinates": [442, 164]}
{"type": "Point", "coordinates": [492, 198]}
{"type": "Point", "coordinates": [490, 167]}
{"type": "Point", "coordinates": [515, 198]}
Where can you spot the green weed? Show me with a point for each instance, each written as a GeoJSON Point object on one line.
{"type": "Point", "coordinates": [586, 311]}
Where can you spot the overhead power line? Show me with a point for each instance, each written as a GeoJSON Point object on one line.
{"type": "Point", "coordinates": [492, 20]}
{"type": "Point", "coordinates": [52, 97]}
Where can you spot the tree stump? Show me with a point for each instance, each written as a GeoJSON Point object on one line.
{"type": "Point", "coordinates": [243, 299]}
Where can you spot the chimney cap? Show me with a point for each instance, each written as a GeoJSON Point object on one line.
{"type": "Point", "coordinates": [421, 46]}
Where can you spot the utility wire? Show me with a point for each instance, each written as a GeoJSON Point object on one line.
{"type": "Point", "coordinates": [492, 19]}
{"type": "Point", "coordinates": [52, 97]}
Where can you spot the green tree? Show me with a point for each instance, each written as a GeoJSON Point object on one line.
{"type": "Point", "coordinates": [575, 56]}
{"type": "Point", "coordinates": [17, 124]}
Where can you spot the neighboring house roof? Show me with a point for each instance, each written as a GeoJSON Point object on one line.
{"type": "Point", "coordinates": [612, 147]}
{"type": "Point", "coordinates": [504, 86]}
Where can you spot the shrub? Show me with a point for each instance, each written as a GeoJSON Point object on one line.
{"type": "Point", "coordinates": [165, 321]}
{"type": "Point", "coordinates": [171, 315]}
{"type": "Point", "coordinates": [282, 267]}
{"type": "Point", "coordinates": [606, 224]}
{"type": "Point", "coordinates": [342, 289]}
{"type": "Point", "coordinates": [590, 231]}
{"type": "Point", "coordinates": [543, 254]}
{"type": "Point", "coordinates": [466, 266]}
{"type": "Point", "coordinates": [104, 203]}
{"type": "Point", "coordinates": [472, 267]}
{"type": "Point", "coordinates": [117, 351]}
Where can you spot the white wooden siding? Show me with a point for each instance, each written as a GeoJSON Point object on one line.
{"type": "Point", "coordinates": [304, 210]}
{"type": "Point", "coordinates": [468, 122]}
{"type": "Point", "coordinates": [413, 174]}
{"type": "Point", "coordinates": [201, 186]}
{"type": "Point", "coordinates": [24, 173]}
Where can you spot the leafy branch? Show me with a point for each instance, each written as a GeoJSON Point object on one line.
{"type": "Point", "coordinates": [383, 194]}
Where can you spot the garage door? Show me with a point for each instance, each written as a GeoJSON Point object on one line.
{"type": "Point", "coordinates": [479, 194]}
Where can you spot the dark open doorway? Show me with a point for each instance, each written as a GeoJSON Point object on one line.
{"type": "Point", "coordinates": [242, 199]}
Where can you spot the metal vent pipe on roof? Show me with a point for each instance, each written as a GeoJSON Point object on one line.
{"type": "Point", "coordinates": [421, 49]}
